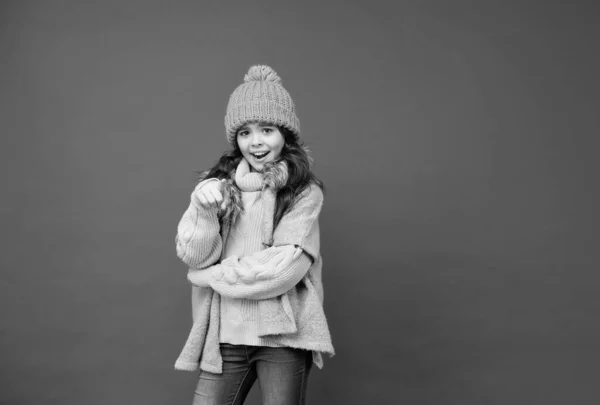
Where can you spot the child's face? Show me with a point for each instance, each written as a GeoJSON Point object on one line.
{"type": "Point", "coordinates": [260, 143]}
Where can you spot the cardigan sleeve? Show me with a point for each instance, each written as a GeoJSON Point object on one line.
{"type": "Point", "coordinates": [198, 241]}
{"type": "Point", "coordinates": [275, 270]}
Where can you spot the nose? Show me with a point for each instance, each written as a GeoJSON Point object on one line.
{"type": "Point", "coordinates": [256, 138]}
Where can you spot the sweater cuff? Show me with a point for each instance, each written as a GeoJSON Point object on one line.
{"type": "Point", "coordinates": [201, 278]}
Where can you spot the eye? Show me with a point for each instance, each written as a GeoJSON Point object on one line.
{"type": "Point", "coordinates": [243, 133]}
{"type": "Point", "coordinates": [267, 130]}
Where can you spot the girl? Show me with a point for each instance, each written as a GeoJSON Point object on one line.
{"type": "Point", "coordinates": [251, 240]}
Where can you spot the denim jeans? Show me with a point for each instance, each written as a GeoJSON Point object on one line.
{"type": "Point", "coordinates": [282, 374]}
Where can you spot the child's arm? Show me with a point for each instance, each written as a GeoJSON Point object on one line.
{"type": "Point", "coordinates": [277, 269]}
{"type": "Point", "coordinates": [198, 239]}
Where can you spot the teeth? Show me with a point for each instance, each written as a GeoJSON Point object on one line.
{"type": "Point", "coordinates": [260, 155]}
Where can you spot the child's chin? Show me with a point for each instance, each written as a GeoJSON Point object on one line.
{"type": "Point", "coordinates": [257, 167]}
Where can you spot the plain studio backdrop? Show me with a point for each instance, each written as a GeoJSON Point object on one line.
{"type": "Point", "coordinates": [458, 142]}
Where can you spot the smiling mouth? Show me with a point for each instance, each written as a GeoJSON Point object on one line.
{"type": "Point", "coordinates": [259, 156]}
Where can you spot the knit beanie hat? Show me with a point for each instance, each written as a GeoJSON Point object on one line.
{"type": "Point", "coordinates": [260, 98]}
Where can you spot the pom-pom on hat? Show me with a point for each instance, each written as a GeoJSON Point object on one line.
{"type": "Point", "coordinates": [260, 98]}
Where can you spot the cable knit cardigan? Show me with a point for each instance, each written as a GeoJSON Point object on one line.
{"type": "Point", "coordinates": [290, 305]}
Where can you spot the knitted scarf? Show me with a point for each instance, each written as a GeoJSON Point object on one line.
{"type": "Point", "coordinates": [273, 178]}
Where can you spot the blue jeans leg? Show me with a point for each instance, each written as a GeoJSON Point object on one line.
{"type": "Point", "coordinates": [231, 387]}
{"type": "Point", "coordinates": [282, 374]}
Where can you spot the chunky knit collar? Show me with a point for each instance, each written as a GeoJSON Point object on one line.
{"type": "Point", "coordinates": [247, 180]}
{"type": "Point", "coordinates": [273, 177]}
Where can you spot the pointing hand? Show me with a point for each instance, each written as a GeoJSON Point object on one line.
{"type": "Point", "coordinates": [213, 194]}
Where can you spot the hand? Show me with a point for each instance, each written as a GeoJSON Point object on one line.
{"type": "Point", "coordinates": [213, 195]}
{"type": "Point", "coordinates": [200, 278]}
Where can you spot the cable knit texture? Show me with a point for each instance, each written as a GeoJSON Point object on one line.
{"type": "Point", "coordinates": [240, 316]}
{"type": "Point", "coordinates": [277, 277]}
{"type": "Point", "coordinates": [261, 97]}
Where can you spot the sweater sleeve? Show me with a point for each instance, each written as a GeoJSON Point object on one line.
{"type": "Point", "coordinates": [275, 270]}
{"type": "Point", "coordinates": [198, 239]}
{"type": "Point", "coordinates": [265, 274]}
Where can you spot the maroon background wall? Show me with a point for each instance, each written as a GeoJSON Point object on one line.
{"type": "Point", "coordinates": [459, 145]}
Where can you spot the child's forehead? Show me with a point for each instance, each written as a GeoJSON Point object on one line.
{"type": "Point", "coordinates": [259, 123]}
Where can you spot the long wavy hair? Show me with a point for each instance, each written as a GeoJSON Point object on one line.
{"type": "Point", "coordinates": [300, 175]}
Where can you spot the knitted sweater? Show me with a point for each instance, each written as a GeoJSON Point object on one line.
{"type": "Point", "coordinates": [240, 316]}
{"type": "Point", "coordinates": [284, 278]}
